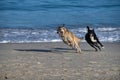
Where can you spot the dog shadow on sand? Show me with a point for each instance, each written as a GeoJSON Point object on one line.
{"type": "Point", "coordinates": [53, 50]}
{"type": "Point", "coordinates": [33, 50]}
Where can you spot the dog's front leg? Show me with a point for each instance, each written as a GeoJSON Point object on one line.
{"type": "Point", "coordinates": [92, 45]}
{"type": "Point", "coordinates": [71, 43]}
{"type": "Point", "coordinates": [77, 47]}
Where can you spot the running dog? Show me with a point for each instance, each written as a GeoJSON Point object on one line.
{"type": "Point", "coordinates": [92, 39]}
{"type": "Point", "coordinates": [69, 38]}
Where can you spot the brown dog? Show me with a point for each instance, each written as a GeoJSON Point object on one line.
{"type": "Point", "coordinates": [69, 38]}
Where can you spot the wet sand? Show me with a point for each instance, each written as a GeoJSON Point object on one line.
{"type": "Point", "coordinates": [57, 61]}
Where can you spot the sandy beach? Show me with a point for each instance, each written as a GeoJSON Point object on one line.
{"type": "Point", "coordinates": [57, 61]}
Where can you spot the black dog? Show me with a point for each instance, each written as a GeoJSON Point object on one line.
{"type": "Point", "coordinates": [92, 39]}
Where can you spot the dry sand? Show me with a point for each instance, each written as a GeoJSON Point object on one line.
{"type": "Point", "coordinates": [57, 61]}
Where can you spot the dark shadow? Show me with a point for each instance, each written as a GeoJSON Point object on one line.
{"type": "Point", "coordinates": [67, 49]}
{"type": "Point", "coordinates": [88, 50]}
{"type": "Point", "coordinates": [63, 49]}
{"type": "Point", "coordinates": [34, 50]}
{"type": "Point", "coordinates": [54, 50]}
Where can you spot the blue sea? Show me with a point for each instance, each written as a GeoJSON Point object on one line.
{"type": "Point", "coordinates": [24, 21]}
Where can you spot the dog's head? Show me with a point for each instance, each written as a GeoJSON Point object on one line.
{"type": "Point", "coordinates": [61, 30]}
{"type": "Point", "coordinates": [90, 31]}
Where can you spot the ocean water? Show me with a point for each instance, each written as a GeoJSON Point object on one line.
{"type": "Point", "coordinates": [37, 20]}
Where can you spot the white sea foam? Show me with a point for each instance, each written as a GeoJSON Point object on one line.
{"type": "Point", "coordinates": [56, 40]}
{"type": "Point", "coordinates": [107, 29]}
{"type": "Point", "coordinates": [42, 35]}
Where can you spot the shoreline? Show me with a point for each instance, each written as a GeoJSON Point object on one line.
{"type": "Point", "coordinates": [57, 61]}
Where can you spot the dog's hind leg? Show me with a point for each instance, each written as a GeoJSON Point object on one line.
{"type": "Point", "coordinates": [77, 47]}
{"type": "Point", "coordinates": [78, 50]}
{"type": "Point", "coordinates": [100, 43]}
{"type": "Point", "coordinates": [97, 46]}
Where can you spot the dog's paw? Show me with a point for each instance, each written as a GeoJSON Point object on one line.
{"type": "Point", "coordinates": [103, 47]}
{"type": "Point", "coordinates": [96, 50]}
{"type": "Point", "coordinates": [79, 52]}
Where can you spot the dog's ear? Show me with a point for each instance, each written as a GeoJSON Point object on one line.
{"type": "Point", "coordinates": [66, 29]}
{"type": "Point", "coordinates": [93, 30]}
{"type": "Point", "coordinates": [88, 28]}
